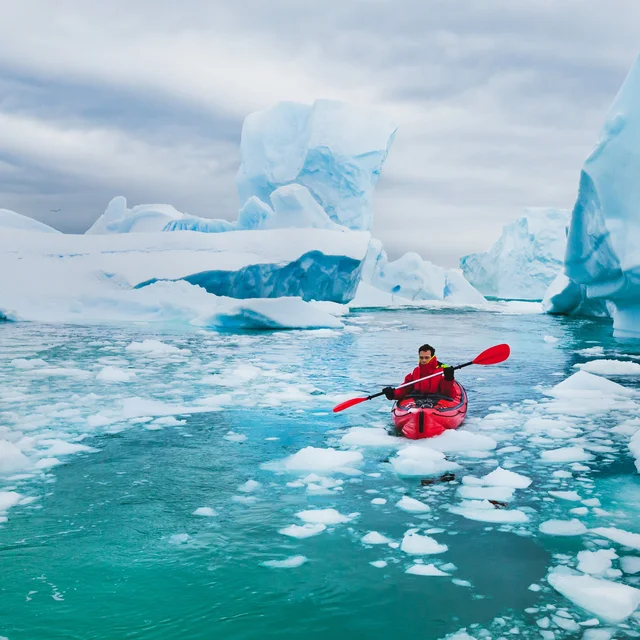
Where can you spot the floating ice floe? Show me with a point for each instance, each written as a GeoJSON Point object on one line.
{"type": "Point", "coordinates": [370, 437]}
{"type": "Point", "coordinates": [114, 374]}
{"type": "Point", "coordinates": [416, 460]}
{"type": "Point", "coordinates": [611, 601]}
{"type": "Point", "coordinates": [625, 538]}
{"type": "Point", "coordinates": [415, 544]}
{"type": "Point", "coordinates": [485, 511]}
{"type": "Point", "coordinates": [610, 367]}
{"type": "Point", "coordinates": [571, 527]}
{"type": "Point", "coordinates": [325, 516]}
{"type": "Point", "coordinates": [373, 537]}
{"type": "Point", "coordinates": [288, 563]}
{"type": "Point", "coordinates": [425, 570]}
{"type": "Point", "coordinates": [499, 478]}
{"type": "Point", "coordinates": [207, 512]}
{"type": "Point", "coordinates": [596, 563]}
{"type": "Point", "coordinates": [406, 503]}
{"type": "Point", "coordinates": [303, 531]}
{"type": "Point", "coordinates": [320, 460]}
{"type": "Point", "coordinates": [566, 454]}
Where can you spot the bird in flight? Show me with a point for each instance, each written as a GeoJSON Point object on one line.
{"type": "Point", "coordinates": [55, 210]}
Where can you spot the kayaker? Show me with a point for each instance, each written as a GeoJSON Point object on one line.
{"type": "Point", "coordinates": [427, 365]}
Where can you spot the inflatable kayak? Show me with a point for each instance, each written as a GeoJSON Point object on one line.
{"type": "Point", "coordinates": [428, 416]}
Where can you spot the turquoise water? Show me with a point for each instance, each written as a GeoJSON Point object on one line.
{"type": "Point", "coordinates": [110, 547]}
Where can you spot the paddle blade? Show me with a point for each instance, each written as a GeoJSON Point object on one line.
{"type": "Point", "coordinates": [493, 355]}
{"type": "Point", "coordinates": [348, 403]}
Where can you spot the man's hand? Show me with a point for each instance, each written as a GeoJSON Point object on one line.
{"type": "Point", "coordinates": [389, 393]}
{"type": "Point", "coordinates": [448, 373]}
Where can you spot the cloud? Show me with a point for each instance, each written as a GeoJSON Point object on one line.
{"type": "Point", "coordinates": [498, 103]}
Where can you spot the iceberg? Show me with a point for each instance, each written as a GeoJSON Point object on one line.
{"type": "Point", "coordinates": [12, 220]}
{"type": "Point", "coordinates": [525, 260]}
{"type": "Point", "coordinates": [205, 279]}
{"type": "Point", "coordinates": [333, 149]}
{"type": "Point", "coordinates": [302, 167]}
{"type": "Point", "coordinates": [410, 280]}
{"type": "Point", "coordinates": [602, 260]}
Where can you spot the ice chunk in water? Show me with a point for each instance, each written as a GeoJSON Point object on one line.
{"type": "Point", "coordinates": [503, 478]}
{"type": "Point", "coordinates": [589, 387]}
{"type": "Point", "coordinates": [596, 562]}
{"type": "Point", "coordinates": [303, 531]}
{"type": "Point", "coordinates": [179, 538]}
{"type": "Point", "coordinates": [369, 437]}
{"type": "Point", "coordinates": [620, 536]}
{"type": "Point", "coordinates": [249, 486]}
{"type": "Point", "coordinates": [9, 499]}
{"type": "Point", "coordinates": [205, 511]}
{"type": "Point", "coordinates": [610, 601]}
{"type": "Point", "coordinates": [325, 516]}
{"type": "Point", "coordinates": [416, 460]}
{"type": "Point", "coordinates": [460, 441]}
{"type": "Point", "coordinates": [425, 570]}
{"type": "Point", "coordinates": [288, 563]}
{"type": "Point", "coordinates": [566, 454]}
{"type": "Point", "coordinates": [610, 367]}
{"type": "Point", "coordinates": [499, 478]}
{"type": "Point", "coordinates": [563, 527]}
{"type": "Point", "coordinates": [412, 505]}
{"type": "Point", "coordinates": [571, 496]}
{"type": "Point", "coordinates": [155, 347]}
{"type": "Point", "coordinates": [114, 374]}
{"type": "Point", "coordinates": [319, 460]}
{"type": "Point", "coordinates": [630, 564]}
{"type": "Point", "coordinates": [415, 544]}
{"type": "Point", "coordinates": [11, 458]}
{"type": "Point", "coordinates": [486, 493]}
{"type": "Point", "coordinates": [373, 537]}
{"type": "Point", "coordinates": [484, 511]}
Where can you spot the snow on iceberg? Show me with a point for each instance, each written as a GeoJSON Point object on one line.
{"type": "Point", "coordinates": [525, 260]}
{"type": "Point", "coordinates": [181, 277]}
{"type": "Point", "coordinates": [12, 220]}
{"type": "Point", "coordinates": [409, 280]}
{"type": "Point", "coordinates": [603, 244]}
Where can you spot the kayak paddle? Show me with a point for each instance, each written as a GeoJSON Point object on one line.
{"type": "Point", "coordinates": [492, 355]}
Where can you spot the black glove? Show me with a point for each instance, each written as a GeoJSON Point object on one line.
{"type": "Point", "coordinates": [448, 373]}
{"type": "Point", "coordinates": [389, 393]}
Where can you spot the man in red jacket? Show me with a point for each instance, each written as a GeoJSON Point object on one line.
{"type": "Point", "coordinates": [442, 384]}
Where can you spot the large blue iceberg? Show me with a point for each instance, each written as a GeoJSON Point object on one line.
{"type": "Point", "coordinates": [525, 259]}
{"type": "Point", "coordinates": [334, 150]}
{"type": "Point", "coordinates": [267, 279]}
{"type": "Point", "coordinates": [602, 261]}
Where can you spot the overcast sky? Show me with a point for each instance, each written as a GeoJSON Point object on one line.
{"type": "Point", "coordinates": [498, 102]}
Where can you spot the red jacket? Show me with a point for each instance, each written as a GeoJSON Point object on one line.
{"type": "Point", "coordinates": [433, 385]}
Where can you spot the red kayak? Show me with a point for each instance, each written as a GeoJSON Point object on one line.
{"type": "Point", "coordinates": [428, 416]}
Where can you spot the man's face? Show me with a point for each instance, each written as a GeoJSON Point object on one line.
{"type": "Point", "coordinates": [425, 356]}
